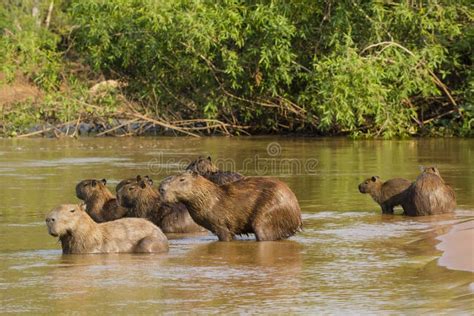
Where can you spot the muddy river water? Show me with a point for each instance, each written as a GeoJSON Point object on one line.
{"type": "Point", "coordinates": [349, 259]}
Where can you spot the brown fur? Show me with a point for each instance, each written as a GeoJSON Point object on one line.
{"type": "Point", "coordinates": [137, 179]}
{"type": "Point", "coordinates": [429, 195]}
{"type": "Point", "coordinates": [263, 206]}
{"type": "Point", "coordinates": [101, 204]}
{"type": "Point", "coordinates": [208, 170]}
{"type": "Point", "coordinates": [387, 194]}
{"type": "Point", "coordinates": [78, 233]}
{"type": "Point", "coordinates": [144, 201]}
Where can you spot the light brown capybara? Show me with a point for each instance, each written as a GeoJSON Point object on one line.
{"type": "Point", "coordinates": [429, 195]}
{"type": "Point", "coordinates": [263, 206]}
{"type": "Point", "coordinates": [101, 204]}
{"type": "Point", "coordinates": [387, 194]}
{"type": "Point", "coordinates": [208, 170]}
{"type": "Point", "coordinates": [144, 201]}
{"type": "Point", "coordinates": [78, 233]}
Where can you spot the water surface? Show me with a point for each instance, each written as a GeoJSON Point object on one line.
{"type": "Point", "coordinates": [349, 259]}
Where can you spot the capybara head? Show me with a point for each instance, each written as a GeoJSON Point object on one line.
{"type": "Point", "coordinates": [202, 166]}
{"type": "Point", "coordinates": [87, 188]}
{"type": "Point", "coordinates": [129, 194]}
{"type": "Point", "coordinates": [133, 180]}
{"type": "Point", "coordinates": [63, 219]}
{"type": "Point", "coordinates": [432, 170]}
{"type": "Point", "coordinates": [181, 186]}
{"type": "Point", "coordinates": [370, 184]}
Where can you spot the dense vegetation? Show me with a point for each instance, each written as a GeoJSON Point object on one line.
{"type": "Point", "coordinates": [324, 67]}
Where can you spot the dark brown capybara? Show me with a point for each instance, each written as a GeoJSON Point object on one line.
{"type": "Point", "coordinates": [78, 233]}
{"type": "Point", "coordinates": [387, 194]}
{"type": "Point", "coordinates": [429, 195]}
{"type": "Point", "coordinates": [144, 201]}
{"type": "Point", "coordinates": [101, 204]}
{"type": "Point", "coordinates": [137, 179]}
{"type": "Point", "coordinates": [263, 206]}
{"type": "Point", "coordinates": [208, 170]}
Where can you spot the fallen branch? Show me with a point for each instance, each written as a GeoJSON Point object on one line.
{"type": "Point", "coordinates": [117, 127]}
{"type": "Point", "coordinates": [163, 124]}
{"type": "Point", "coordinates": [44, 130]}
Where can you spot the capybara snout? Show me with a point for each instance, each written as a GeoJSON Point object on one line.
{"type": "Point", "coordinates": [50, 224]}
{"type": "Point", "coordinates": [60, 219]}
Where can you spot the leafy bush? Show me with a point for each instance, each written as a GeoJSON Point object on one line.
{"type": "Point", "coordinates": [363, 68]}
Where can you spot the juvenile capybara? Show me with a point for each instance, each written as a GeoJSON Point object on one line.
{"type": "Point", "coordinates": [429, 195]}
{"type": "Point", "coordinates": [263, 206]}
{"type": "Point", "coordinates": [137, 179]}
{"type": "Point", "coordinates": [101, 204]}
{"type": "Point", "coordinates": [387, 194]}
{"type": "Point", "coordinates": [78, 233]}
{"type": "Point", "coordinates": [144, 201]}
{"type": "Point", "coordinates": [208, 170]}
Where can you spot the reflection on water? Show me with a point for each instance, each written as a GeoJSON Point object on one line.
{"type": "Point", "coordinates": [349, 258]}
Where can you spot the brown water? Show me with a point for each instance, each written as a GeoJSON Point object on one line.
{"type": "Point", "coordinates": [349, 258]}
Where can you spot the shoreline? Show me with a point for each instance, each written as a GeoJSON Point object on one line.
{"type": "Point", "coordinates": [457, 247]}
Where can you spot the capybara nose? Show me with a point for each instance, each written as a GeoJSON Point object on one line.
{"type": "Point", "coordinates": [162, 191]}
{"type": "Point", "coordinates": [49, 220]}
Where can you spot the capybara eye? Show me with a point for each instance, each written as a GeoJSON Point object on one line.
{"type": "Point", "coordinates": [130, 189]}
{"type": "Point", "coordinates": [181, 180]}
{"type": "Point", "coordinates": [73, 210]}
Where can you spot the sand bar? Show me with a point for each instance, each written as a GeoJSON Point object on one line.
{"type": "Point", "coordinates": [458, 247]}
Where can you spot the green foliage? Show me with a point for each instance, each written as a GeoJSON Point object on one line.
{"type": "Point", "coordinates": [364, 68]}
{"type": "Point", "coordinates": [27, 48]}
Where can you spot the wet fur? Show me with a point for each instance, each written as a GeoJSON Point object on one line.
{"type": "Point", "coordinates": [429, 195]}
{"type": "Point", "coordinates": [387, 194]}
{"type": "Point", "coordinates": [263, 206]}
{"type": "Point", "coordinates": [101, 204]}
{"type": "Point", "coordinates": [78, 233]}
{"type": "Point", "coordinates": [208, 170]}
{"type": "Point", "coordinates": [144, 201]}
{"type": "Point", "coordinates": [137, 179]}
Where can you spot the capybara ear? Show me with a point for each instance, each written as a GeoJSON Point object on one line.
{"type": "Point", "coordinates": [139, 178]}
{"type": "Point", "coordinates": [142, 184]}
{"type": "Point", "coordinates": [82, 206]}
{"type": "Point", "coordinates": [149, 180]}
{"type": "Point", "coordinates": [374, 178]}
{"type": "Point", "coordinates": [194, 173]}
{"type": "Point", "coordinates": [104, 181]}
{"type": "Point", "coordinates": [209, 158]}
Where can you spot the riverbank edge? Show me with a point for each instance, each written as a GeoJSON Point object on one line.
{"type": "Point", "coordinates": [457, 247]}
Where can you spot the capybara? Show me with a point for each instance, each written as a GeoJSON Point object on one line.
{"type": "Point", "coordinates": [101, 204]}
{"type": "Point", "coordinates": [263, 206]}
{"type": "Point", "coordinates": [137, 179]}
{"type": "Point", "coordinates": [208, 170]}
{"type": "Point", "coordinates": [78, 233]}
{"type": "Point", "coordinates": [387, 194]}
{"type": "Point", "coordinates": [429, 195]}
{"type": "Point", "coordinates": [144, 201]}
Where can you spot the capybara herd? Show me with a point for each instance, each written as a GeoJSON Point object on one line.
{"type": "Point", "coordinates": [204, 198]}
{"type": "Point", "coordinates": [427, 195]}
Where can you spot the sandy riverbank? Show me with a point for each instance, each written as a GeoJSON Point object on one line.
{"type": "Point", "coordinates": [458, 247]}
